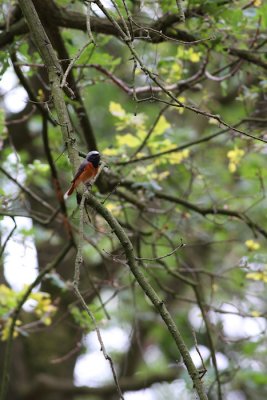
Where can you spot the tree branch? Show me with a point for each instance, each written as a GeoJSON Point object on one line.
{"type": "Point", "coordinates": [248, 56]}
{"type": "Point", "coordinates": [74, 20]}
{"type": "Point", "coordinates": [54, 70]}
{"type": "Point", "coordinates": [32, 195]}
{"type": "Point", "coordinates": [214, 211]}
{"type": "Point", "coordinates": [46, 383]}
{"type": "Point", "coordinates": [150, 292]}
{"type": "Point", "coordinates": [24, 82]}
{"type": "Point", "coordinates": [9, 236]}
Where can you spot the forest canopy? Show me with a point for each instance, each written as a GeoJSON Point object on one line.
{"type": "Point", "coordinates": [150, 280]}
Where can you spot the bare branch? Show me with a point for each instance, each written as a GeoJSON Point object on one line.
{"type": "Point", "coordinates": [9, 236]}
{"type": "Point", "coordinates": [161, 257]}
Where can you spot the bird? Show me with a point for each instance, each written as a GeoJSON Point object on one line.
{"type": "Point", "coordinates": [86, 171]}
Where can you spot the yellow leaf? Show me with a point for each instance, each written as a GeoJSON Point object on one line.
{"type": "Point", "coordinates": [236, 154]}
{"type": "Point", "coordinates": [176, 71]}
{"type": "Point", "coordinates": [255, 313]}
{"type": "Point", "coordinates": [114, 209]}
{"type": "Point", "coordinates": [185, 153]}
{"type": "Point", "coordinates": [235, 157]}
{"type": "Point", "coordinates": [252, 245]}
{"type": "Point", "coordinates": [5, 292]}
{"type": "Point", "coordinates": [182, 100]}
{"type": "Point", "coordinates": [6, 329]}
{"type": "Point", "coordinates": [41, 95]}
{"type": "Point", "coordinates": [232, 167]}
{"type": "Point", "coordinates": [165, 145]}
{"type": "Point", "coordinates": [110, 152]}
{"type": "Point", "coordinates": [47, 321]}
{"type": "Point", "coordinates": [127, 140]}
{"type": "Point", "coordinates": [116, 110]}
{"type": "Point", "coordinates": [163, 175]}
{"type": "Point", "coordinates": [257, 276]}
{"type": "Point", "coordinates": [195, 57]}
{"type": "Point", "coordinates": [161, 126]}
{"type": "Point", "coordinates": [162, 145]}
{"type": "Point", "coordinates": [257, 3]}
{"type": "Point", "coordinates": [144, 170]}
{"type": "Point", "coordinates": [177, 158]}
{"type": "Point", "coordinates": [140, 155]}
{"type": "Point", "coordinates": [141, 133]}
{"type": "Point", "coordinates": [39, 296]}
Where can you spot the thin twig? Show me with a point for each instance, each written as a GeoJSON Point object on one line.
{"type": "Point", "coordinates": [149, 133]}
{"type": "Point", "coordinates": [9, 236]}
{"type": "Point", "coordinates": [28, 191]}
{"type": "Point", "coordinates": [204, 369]}
{"type": "Point", "coordinates": [79, 256]}
{"type": "Point", "coordinates": [161, 257]}
{"type": "Point", "coordinates": [122, 19]}
{"type": "Point", "coordinates": [67, 356]}
{"type": "Point", "coordinates": [214, 211]}
{"type": "Point", "coordinates": [88, 23]}
{"type": "Point", "coordinates": [25, 83]}
{"type": "Point", "coordinates": [129, 18]}
{"type": "Point", "coordinates": [78, 262]}
{"type": "Point", "coordinates": [22, 119]}
{"type": "Point", "coordinates": [63, 82]}
{"type": "Point", "coordinates": [99, 337]}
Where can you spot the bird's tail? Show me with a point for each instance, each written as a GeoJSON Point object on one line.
{"type": "Point", "coordinates": [70, 191]}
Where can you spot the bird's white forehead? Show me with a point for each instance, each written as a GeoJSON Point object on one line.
{"type": "Point", "coordinates": [91, 153]}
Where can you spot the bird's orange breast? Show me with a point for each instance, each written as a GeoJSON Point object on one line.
{"type": "Point", "coordinates": [88, 173]}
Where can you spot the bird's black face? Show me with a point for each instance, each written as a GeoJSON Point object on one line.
{"type": "Point", "coordinates": [94, 158]}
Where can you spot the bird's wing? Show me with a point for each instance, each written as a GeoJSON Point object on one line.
{"type": "Point", "coordinates": [80, 170]}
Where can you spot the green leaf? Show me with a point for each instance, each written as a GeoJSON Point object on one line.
{"type": "Point", "coordinates": [249, 348]}
{"type": "Point", "coordinates": [232, 16]}
{"type": "Point", "coordinates": [27, 232]}
{"type": "Point", "coordinates": [262, 13]}
{"type": "Point", "coordinates": [168, 6]}
{"type": "Point", "coordinates": [101, 58]}
{"type": "Point", "coordinates": [259, 378]}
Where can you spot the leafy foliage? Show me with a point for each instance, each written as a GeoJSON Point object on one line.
{"type": "Point", "coordinates": [177, 110]}
{"type": "Point", "coordinates": [41, 307]}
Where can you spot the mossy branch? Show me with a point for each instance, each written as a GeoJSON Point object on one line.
{"type": "Point", "coordinates": [55, 75]}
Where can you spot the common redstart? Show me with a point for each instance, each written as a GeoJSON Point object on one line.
{"type": "Point", "coordinates": [86, 171]}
